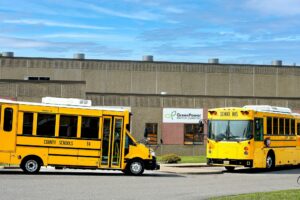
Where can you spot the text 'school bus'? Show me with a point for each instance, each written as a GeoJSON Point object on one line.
{"type": "Point", "coordinates": [60, 134]}
{"type": "Point", "coordinates": [253, 136]}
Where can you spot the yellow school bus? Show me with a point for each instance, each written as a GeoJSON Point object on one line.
{"type": "Point", "coordinates": [253, 136]}
{"type": "Point", "coordinates": [70, 133]}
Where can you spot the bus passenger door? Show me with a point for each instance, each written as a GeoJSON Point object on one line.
{"type": "Point", "coordinates": [8, 128]}
{"type": "Point", "coordinates": [117, 143]}
{"type": "Point", "coordinates": [105, 139]}
{"type": "Point", "coordinates": [258, 156]}
{"type": "Point", "coordinates": [112, 138]}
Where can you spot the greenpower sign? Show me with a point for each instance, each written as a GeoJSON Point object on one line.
{"type": "Point", "coordinates": [182, 115]}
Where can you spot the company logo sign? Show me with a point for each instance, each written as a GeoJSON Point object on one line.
{"type": "Point", "coordinates": [182, 115]}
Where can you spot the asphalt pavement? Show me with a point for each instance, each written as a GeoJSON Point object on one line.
{"type": "Point", "coordinates": [191, 168]}
{"type": "Point", "coordinates": [178, 168]}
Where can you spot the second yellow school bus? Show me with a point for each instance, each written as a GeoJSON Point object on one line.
{"type": "Point", "coordinates": [253, 136]}
{"type": "Point", "coordinates": [60, 134]}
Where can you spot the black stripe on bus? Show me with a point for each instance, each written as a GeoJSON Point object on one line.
{"type": "Point", "coordinates": [271, 135]}
{"type": "Point", "coordinates": [26, 145]}
{"type": "Point", "coordinates": [281, 147]}
{"type": "Point", "coordinates": [73, 155]}
{"type": "Point", "coordinates": [53, 137]}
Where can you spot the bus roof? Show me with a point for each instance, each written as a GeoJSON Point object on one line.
{"type": "Point", "coordinates": [108, 108]}
{"type": "Point", "coordinates": [264, 108]}
{"type": "Point", "coordinates": [267, 108]}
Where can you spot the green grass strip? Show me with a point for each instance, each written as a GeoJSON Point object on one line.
{"type": "Point", "coordinates": [280, 195]}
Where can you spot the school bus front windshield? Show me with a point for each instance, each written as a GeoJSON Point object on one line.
{"type": "Point", "coordinates": [230, 130]}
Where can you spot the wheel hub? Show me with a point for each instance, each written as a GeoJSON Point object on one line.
{"type": "Point", "coordinates": [31, 165]}
{"type": "Point", "coordinates": [136, 167]}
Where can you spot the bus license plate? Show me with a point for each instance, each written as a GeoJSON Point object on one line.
{"type": "Point", "coordinates": [226, 162]}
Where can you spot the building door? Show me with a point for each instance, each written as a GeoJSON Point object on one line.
{"type": "Point", "coordinates": [112, 138]}
{"type": "Point", "coordinates": [8, 128]}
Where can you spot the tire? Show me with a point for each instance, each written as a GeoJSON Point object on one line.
{"type": "Point", "coordinates": [270, 161]}
{"type": "Point", "coordinates": [229, 168]}
{"type": "Point", "coordinates": [31, 165]}
{"type": "Point", "coordinates": [135, 168]}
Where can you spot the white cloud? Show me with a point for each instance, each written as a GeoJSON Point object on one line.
{"type": "Point", "coordinates": [54, 24]}
{"type": "Point", "coordinates": [9, 42]}
{"type": "Point", "coordinates": [275, 7]}
{"type": "Point", "coordinates": [14, 43]}
{"type": "Point", "coordinates": [104, 37]}
{"type": "Point", "coordinates": [140, 15]}
{"type": "Point", "coordinates": [174, 10]}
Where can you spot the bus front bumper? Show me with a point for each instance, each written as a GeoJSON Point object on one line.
{"type": "Point", "coordinates": [152, 164]}
{"type": "Point", "coordinates": [230, 162]}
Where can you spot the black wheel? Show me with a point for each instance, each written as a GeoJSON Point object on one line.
{"type": "Point", "coordinates": [229, 168]}
{"type": "Point", "coordinates": [135, 167]}
{"type": "Point", "coordinates": [270, 161]}
{"type": "Point", "coordinates": [31, 165]}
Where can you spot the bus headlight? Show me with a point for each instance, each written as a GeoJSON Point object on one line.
{"type": "Point", "coordinates": [152, 152]}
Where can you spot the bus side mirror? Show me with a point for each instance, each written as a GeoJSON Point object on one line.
{"type": "Point", "coordinates": [146, 132]}
{"type": "Point", "coordinates": [161, 141]}
{"type": "Point", "coordinates": [201, 124]}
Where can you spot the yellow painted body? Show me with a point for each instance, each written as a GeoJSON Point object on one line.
{"type": "Point", "coordinates": [286, 147]}
{"type": "Point", "coordinates": [74, 152]}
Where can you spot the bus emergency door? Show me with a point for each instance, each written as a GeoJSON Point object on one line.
{"type": "Point", "coordinates": [112, 137]}
{"type": "Point", "coordinates": [8, 128]}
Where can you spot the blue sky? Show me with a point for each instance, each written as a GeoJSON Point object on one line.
{"type": "Point", "coordinates": [235, 31]}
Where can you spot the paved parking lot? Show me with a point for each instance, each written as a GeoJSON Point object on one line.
{"type": "Point", "coordinates": [94, 184]}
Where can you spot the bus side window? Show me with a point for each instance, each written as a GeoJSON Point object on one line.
{"type": "Point", "coordinates": [269, 126]}
{"type": "Point", "coordinates": [281, 126]}
{"type": "Point", "coordinates": [287, 126]}
{"type": "Point", "coordinates": [45, 125]}
{"type": "Point", "coordinates": [8, 117]}
{"type": "Point", "coordinates": [68, 126]}
{"type": "Point", "coordinates": [293, 127]}
{"type": "Point", "coordinates": [27, 123]}
{"type": "Point", "coordinates": [298, 128]}
{"type": "Point", "coordinates": [128, 142]}
{"type": "Point", "coordinates": [259, 129]}
{"type": "Point", "coordinates": [90, 127]}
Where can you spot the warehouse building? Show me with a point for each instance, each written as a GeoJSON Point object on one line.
{"type": "Point", "coordinates": [167, 98]}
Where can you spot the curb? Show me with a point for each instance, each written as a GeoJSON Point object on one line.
{"type": "Point", "coordinates": [194, 169]}
{"type": "Point", "coordinates": [201, 173]}
{"type": "Point", "coordinates": [194, 173]}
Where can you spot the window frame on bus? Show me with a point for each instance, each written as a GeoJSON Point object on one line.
{"type": "Point", "coordinates": [69, 127]}
{"type": "Point", "coordinates": [99, 127]}
{"type": "Point", "coordinates": [55, 125]}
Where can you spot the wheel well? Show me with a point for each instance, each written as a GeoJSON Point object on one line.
{"type": "Point", "coordinates": [37, 158]}
{"type": "Point", "coordinates": [272, 153]}
{"type": "Point", "coordinates": [136, 158]}
{"type": "Point", "coordinates": [133, 159]}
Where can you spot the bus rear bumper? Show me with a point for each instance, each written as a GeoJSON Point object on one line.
{"type": "Point", "coordinates": [230, 162]}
